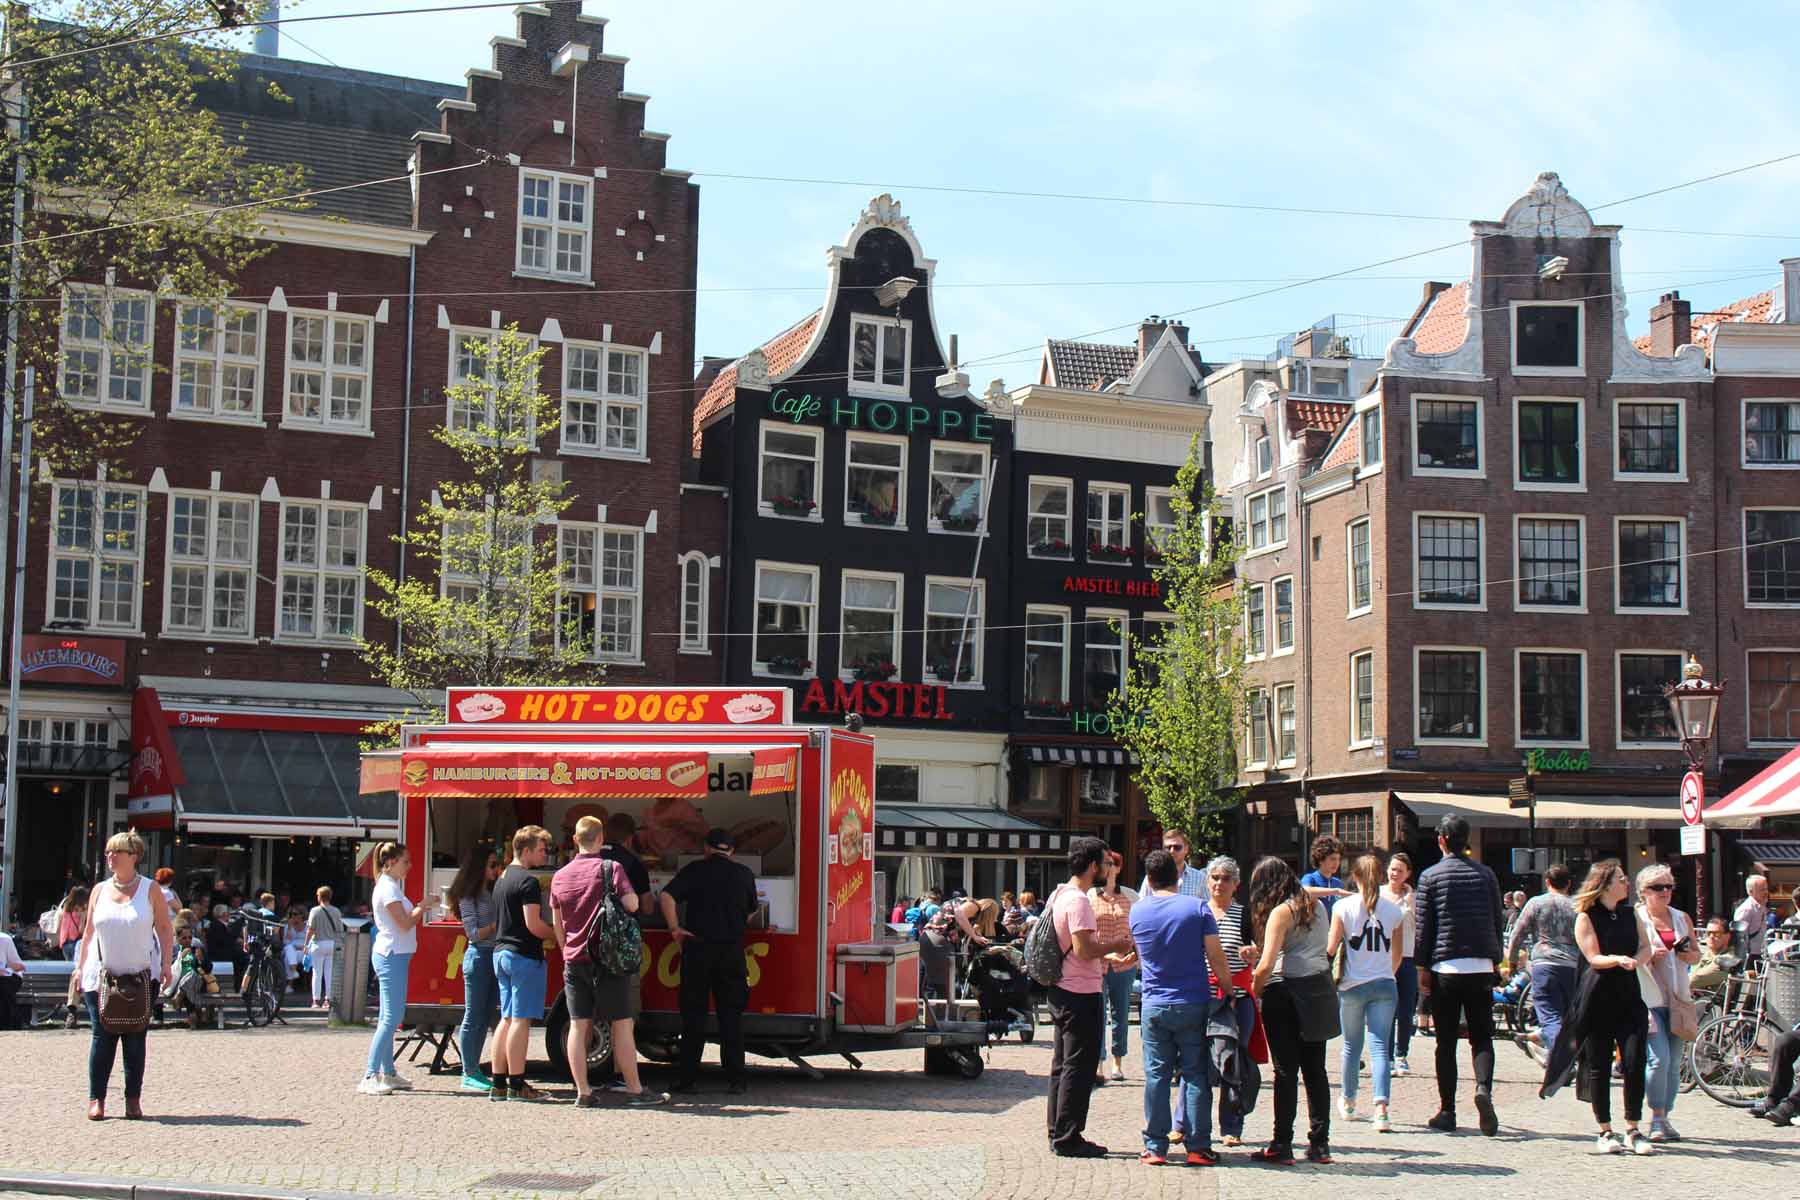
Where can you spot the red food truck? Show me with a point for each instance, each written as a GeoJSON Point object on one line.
{"type": "Point", "coordinates": [800, 800]}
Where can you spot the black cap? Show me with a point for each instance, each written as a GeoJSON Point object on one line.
{"type": "Point", "coordinates": [720, 839]}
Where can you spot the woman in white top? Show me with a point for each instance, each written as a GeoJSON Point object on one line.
{"type": "Point", "coordinates": [397, 922]}
{"type": "Point", "coordinates": [1370, 928]}
{"type": "Point", "coordinates": [324, 931]}
{"type": "Point", "coordinates": [1399, 889]}
{"type": "Point", "coordinates": [1669, 933]}
{"type": "Point", "coordinates": [129, 930]}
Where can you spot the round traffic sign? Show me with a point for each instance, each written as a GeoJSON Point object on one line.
{"type": "Point", "coordinates": [1693, 797]}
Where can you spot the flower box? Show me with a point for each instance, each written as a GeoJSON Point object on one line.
{"type": "Point", "coordinates": [1107, 552]}
{"type": "Point", "coordinates": [880, 516]}
{"type": "Point", "coordinates": [789, 666]}
{"type": "Point", "coordinates": [871, 671]}
{"type": "Point", "coordinates": [960, 524]}
{"type": "Point", "coordinates": [947, 673]}
{"type": "Point", "coordinates": [1051, 708]}
{"type": "Point", "coordinates": [1051, 548]}
{"type": "Point", "coordinates": [793, 506]}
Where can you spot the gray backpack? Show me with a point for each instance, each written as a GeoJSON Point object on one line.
{"type": "Point", "coordinates": [1044, 954]}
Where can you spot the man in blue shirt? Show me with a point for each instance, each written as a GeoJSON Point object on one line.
{"type": "Point", "coordinates": [1190, 881]}
{"type": "Point", "coordinates": [1176, 938]}
{"type": "Point", "coordinates": [1322, 882]}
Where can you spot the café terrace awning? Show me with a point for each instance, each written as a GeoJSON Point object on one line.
{"type": "Point", "coordinates": [277, 783]}
{"type": "Point", "coordinates": [1785, 851]}
{"type": "Point", "coordinates": [1077, 756]}
{"type": "Point", "coordinates": [1553, 812]}
{"type": "Point", "coordinates": [1774, 792]}
{"type": "Point", "coordinates": [918, 829]}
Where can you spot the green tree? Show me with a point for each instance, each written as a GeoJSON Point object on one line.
{"type": "Point", "coordinates": [127, 186]}
{"type": "Point", "coordinates": [1182, 707]}
{"type": "Point", "coordinates": [482, 603]}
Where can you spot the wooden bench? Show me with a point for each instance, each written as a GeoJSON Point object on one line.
{"type": "Point", "coordinates": [45, 990]}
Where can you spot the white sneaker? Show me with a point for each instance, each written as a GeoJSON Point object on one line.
{"type": "Point", "coordinates": [1402, 1067]}
{"type": "Point", "coordinates": [1346, 1109]}
{"type": "Point", "coordinates": [1639, 1144]}
{"type": "Point", "coordinates": [397, 1083]}
{"type": "Point", "coordinates": [374, 1085]}
{"type": "Point", "coordinates": [1609, 1143]}
{"type": "Point", "coordinates": [1381, 1122]}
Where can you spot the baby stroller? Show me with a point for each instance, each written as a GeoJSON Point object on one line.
{"type": "Point", "coordinates": [997, 979]}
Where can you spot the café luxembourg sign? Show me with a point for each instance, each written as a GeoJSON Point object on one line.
{"type": "Point", "coordinates": [882, 416]}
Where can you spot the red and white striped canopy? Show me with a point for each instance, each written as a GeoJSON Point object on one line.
{"type": "Point", "coordinates": [1774, 793]}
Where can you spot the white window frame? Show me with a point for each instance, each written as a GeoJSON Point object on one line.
{"type": "Point", "coordinates": [1106, 492]}
{"type": "Point", "coordinates": [1481, 551]}
{"type": "Point", "coordinates": [985, 481]}
{"type": "Point", "coordinates": [1518, 566]}
{"type": "Point", "coordinates": [1748, 715]}
{"type": "Point", "coordinates": [884, 327]}
{"type": "Point", "coordinates": [95, 557]}
{"type": "Point", "coordinates": [1518, 697]}
{"type": "Point", "coordinates": [1479, 471]}
{"type": "Point", "coordinates": [211, 565]}
{"type": "Point", "coordinates": [1257, 709]}
{"type": "Point", "coordinates": [1270, 545]}
{"type": "Point", "coordinates": [605, 400]}
{"type": "Point", "coordinates": [1744, 555]}
{"type": "Point", "coordinates": [1276, 649]}
{"type": "Point", "coordinates": [1067, 487]}
{"type": "Point", "coordinates": [1153, 546]}
{"type": "Point", "coordinates": [554, 226]}
{"type": "Point", "coordinates": [854, 439]}
{"type": "Point", "coordinates": [1282, 760]}
{"type": "Point", "coordinates": [1480, 653]}
{"type": "Point", "coordinates": [107, 348]}
{"type": "Point", "coordinates": [601, 592]}
{"type": "Point", "coordinates": [459, 335]}
{"type": "Point", "coordinates": [1364, 464]}
{"type": "Point", "coordinates": [1351, 608]}
{"type": "Point", "coordinates": [1106, 618]}
{"type": "Point", "coordinates": [1681, 562]}
{"type": "Point", "coordinates": [760, 665]}
{"type": "Point", "coordinates": [1744, 434]}
{"type": "Point", "coordinates": [217, 362]}
{"type": "Point", "coordinates": [766, 508]}
{"type": "Point", "coordinates": [1680, 474]}
{"type": "Point", "coordinates": [1619, 741]}
{"type": "Point", "coordinates": [1063, 617]}
{"type": "Point", "coordinates": [847, 670]}
{"type": "Point", "coordinates": [1262, 445]}
{"type": "Point", "coordinates": [318, 571]}
{"type": "Point", "coordinates": [977, 631]}
{"type": "Point", "coordinates": [1581, 446]}
{"type": "Point", "coordinates": [1256, 600]}
{"type": "Point", "coordinates": [1355, 742]}
{"type": "Point", "coordinates": [1512, 325]}
{"type": "Point", "coordinates": [699, 604]}
{"type": "Point", "coordinates": [328, 371]}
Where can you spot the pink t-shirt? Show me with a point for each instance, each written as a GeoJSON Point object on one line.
{"type": "Point", "coordinates": [575, 893]}
{"type": "Point", "coordinates": [1071, 912]}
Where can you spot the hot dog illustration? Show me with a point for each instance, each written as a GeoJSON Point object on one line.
{"type": "Point", "coordinates": [683, 774]}
{"type": "Point", "coordinates": [482, 706]}
{"type": "Point", "coordinates": [749, 707]}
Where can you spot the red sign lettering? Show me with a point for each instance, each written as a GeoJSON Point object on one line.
{"type": "Point", "coordinates": [876, 700]}
{"type": "Point", "coordinates": [1107, 585]}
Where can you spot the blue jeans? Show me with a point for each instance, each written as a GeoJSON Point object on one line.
{"type": "Point", "coordinates": [1231, 1122]}
{"type": "Point", "coordinates": [1368, 1008]}
{"type": "Point", "coordinates": [1406, 983]}
{"type": "Point", "coordinates": [481, 1005]}
{"type": "Point", "coordinates": [1175, 1038]}
{"type": "Point", "coordinates": [1663, 1080]}
{"type": "Point", "coordinates": [1115, 987]}
{"type": "Point", "coordinates": [1552, 991]}
{"type": "Point", "coordinates": [390, 974]}
{"type": "Point", "coordinates": [103, 1047]}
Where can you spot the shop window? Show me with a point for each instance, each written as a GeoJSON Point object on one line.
{"type": "Point", "coordinates": [107, 336]}
{"type": "Point", "coordinates": [1046, 661]}
{"type": "Point", "coordinates": [1108, 520]}
{"type": "Point", "coordinates": [212, 564]}
{"type": "Point", "coordinates": [1361, 576]}
{"type": "Point", "coordinates": [322, 553]}
{"type": "Point", "coordinates": [1100, 791]}
{"type": "Point", "coordinates": [218, 362]}
{"type": "Point", "coordinates": [1649, 438]}
{"type": "Point", "coordinates": [896, 783]}
{"type": "Point", "coordinates": [875, 479]}
{"type": "Point", "coordinates": [1450, 684]}
{"type": "Point", "coordinates": [1550, 562]}
{"type": "Point", "coordinates": [870, 647]}
{"type": "Point", "coordinates": [1447, 436]}
{"type": "Point", "coordinates": [96, 555]}
{"type": "Point", "coordinates": [1774, 696]}
{"type": "Point", "coordinates": [958, 482]}
{"type": "Point", "coordinates": [790, 472]}
{"type": "Point", "coordinates": [1047, 518]}
{"type": "Point", "coordinates": [1649, 571]}
{"type": "Point", "coordinates": [1048, 789]}
{"type": "Point", "coordinates": [329, 365]}
{"type": "Point", "coordinates": [602, 589]}
{"type": "Point", "coordinates": [1286, 725]}
{"type": "Point", "coordinates": [1355, 828]}
{"type": "Point", "coordinates": [1103, 657]}
{"type": "Point", "coordinates": [1643, 711]}
{"type": "Point", "coordinates": [1552, 700]}
{"type": "Point", "coordinates": [1284, 614]}
{"type": "Point", "coordinates": [1772, 555]}
{"type": "Point", "coordinates": [696, 599]}
{"type": "Point", "coordinates": [880, 354]}
{"type": "Point", "coordinates": [1448, 561]}
{"type": "Point", "coordinates": [603, 399]}
{"type": "Point", "coordinates": [1772, 433]}
{"type": "Point", "coordinates": [1362, 698]}
{"type": "Point", "coordinates": [953, 624]}
{"type": "Point", "coordinates": [1549, 443]}
{"type": "Point", "coordinates": [1547, 338]}
{"type": "Point", "coordinates": [475, 385]}
{"type": "Point", "coordinates": [555, 225]}
{"type": "Point", "coordinates": [785, 638]}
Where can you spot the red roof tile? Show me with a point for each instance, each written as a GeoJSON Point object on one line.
{"type": "Point", "coordinates": [1759, 309]}
{"type": "Point", "coordinates": [1347, 449]}
{"type": "Point", "coordinates": [1315, 414]}
{"type": "Point", "coordinates": [783, 351]}
{"type": "Point", "coordinates": [1443, 326]}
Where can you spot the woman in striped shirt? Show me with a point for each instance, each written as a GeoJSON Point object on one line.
{"type": "Point", "coordinates": [471, 897]}
{"type": "Point", "coordinates": [1222, 879]}
{"type": "Point", "coordinates": [1112, 913]}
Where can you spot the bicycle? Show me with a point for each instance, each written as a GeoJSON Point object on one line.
{"type": "Point", "coordinates": [1732, 1054]}
{"type": "Point", "coordinates": [264, 985]}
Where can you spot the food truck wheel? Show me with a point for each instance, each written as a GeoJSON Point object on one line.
{"type": "Point", "coordinates": [965, 1061]}
{"type": "Point", "coordinates": [658, 1050]}
{"type": "Point", "coordinates": [556, 1043]}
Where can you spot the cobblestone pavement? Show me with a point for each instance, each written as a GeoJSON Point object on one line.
{"type": "Point", "coordinates": [275, 1109]}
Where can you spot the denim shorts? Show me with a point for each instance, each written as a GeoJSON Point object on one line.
{"type": "Point", "coordinates": [522, 981]}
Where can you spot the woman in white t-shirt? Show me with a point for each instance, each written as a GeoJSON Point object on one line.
{"type": "Point", "coordinates": [1399, 889]}
{"type": "Point", "coordinates": [1371, 930]}
{"type": "Point", "coordinates": [397, 922]}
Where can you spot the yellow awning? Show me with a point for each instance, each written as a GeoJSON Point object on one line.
{"type": "Point", "coordinates": [1553, 812]}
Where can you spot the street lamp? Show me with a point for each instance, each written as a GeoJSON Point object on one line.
{"type": "Point", "coordinates": [1694, 703]}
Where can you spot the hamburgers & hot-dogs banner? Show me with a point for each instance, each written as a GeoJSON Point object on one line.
{"type": "Point", "coordinates": [596, 773]}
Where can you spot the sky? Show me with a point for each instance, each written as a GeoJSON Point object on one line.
{"type": "Point", "coordinates": [1433, 114]}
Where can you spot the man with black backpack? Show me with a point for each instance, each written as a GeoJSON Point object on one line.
{"type": "Point", "coordinates": [597, 941]}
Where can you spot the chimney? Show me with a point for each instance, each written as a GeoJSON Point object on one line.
{"type": "Point", "coordinates": [1671, 325]}
{"type": "Point", "coordinates": [1149, 330]}
{"type": "Point", "coordinates": [268, 37]}
{"type": "Point", "coordinates": [1790, 290]}
{"type": "Point", "coordinates": [1180, 330]}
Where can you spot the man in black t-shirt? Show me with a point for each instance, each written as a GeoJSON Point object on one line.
{"type": "Point", "coordinates": [720, 895]}
{"type": "Point", "coordinates": [619, 830]}
{"type": "Point", "coordinates": [519, 961]}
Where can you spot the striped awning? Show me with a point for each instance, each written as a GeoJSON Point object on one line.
{"type": "Point", "coordinates": [1079, 756]}
{"type": "Point", "coordinates": [1773, 793]}
{"type": "Point", "coordinates": [1772, 850]}
{"type": "Point", "coordinates": [909, 829]}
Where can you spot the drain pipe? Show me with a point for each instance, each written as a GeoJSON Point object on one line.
{"type": "Point", "coordinates": [412, 291]}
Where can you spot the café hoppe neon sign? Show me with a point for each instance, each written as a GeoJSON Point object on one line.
{"type": "Point", "coordinates": [882, 416]}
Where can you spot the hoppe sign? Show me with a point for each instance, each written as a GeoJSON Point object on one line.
{"type": "Point", "coordinates": [94, 662]}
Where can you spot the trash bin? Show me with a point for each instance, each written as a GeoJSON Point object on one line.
{"type": "Point", "coordinates": [350, 1003]}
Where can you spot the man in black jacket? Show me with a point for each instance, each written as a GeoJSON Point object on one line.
{"type": "Point", "coordinates": [1459, 918]}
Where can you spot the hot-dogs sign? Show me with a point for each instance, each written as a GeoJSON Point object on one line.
{"type": "Point", "coordinates": [613, 773]}
{"type": "Point", "coordinates": [636, 707]}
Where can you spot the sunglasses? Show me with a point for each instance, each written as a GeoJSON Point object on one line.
{"type": "Point", "coordinates": [1659, 887]}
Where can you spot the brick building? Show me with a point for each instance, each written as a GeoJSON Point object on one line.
{"type": "Point", "coordinates": [218, 581]}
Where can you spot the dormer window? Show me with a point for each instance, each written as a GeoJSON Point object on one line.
{"type": "Point", "coordinates": [880, 354]}
{"type": "Point", "coordinates": [555, 225]}
{"type": "Point", "coordinates": [1265, 458]}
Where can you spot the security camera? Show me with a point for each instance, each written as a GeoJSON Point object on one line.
{"type": "Point", "coordinates": [1553, 268]}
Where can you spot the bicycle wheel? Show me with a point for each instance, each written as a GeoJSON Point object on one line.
{"type": "Point", "coordinates": [1730, 1058]}
{"type": "Point", "coordinates": [260, 1001]}
{"type": "Point", "coordinates": [1688, 1080]}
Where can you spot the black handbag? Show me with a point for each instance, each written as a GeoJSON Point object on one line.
{"type": "Point", "coordinates": [125, 1002]}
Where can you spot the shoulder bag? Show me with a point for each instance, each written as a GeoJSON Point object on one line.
{"type": "Point", "coordinates": [124, 999]}
{"type": "Point", "coordinates": [1684, 1014]}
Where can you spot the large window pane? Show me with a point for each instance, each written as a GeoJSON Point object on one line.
{"type": "Point", "coordinates": [1549, 442]}
{"type": "Point", "coordinates": [1449, 560]}
{"type": "Point", "coordinates": [1450, 694]}
{"type": "Point", "coordinates": [1448, 433]}
{"type": "Point", "coordinates": [1650, 564]}
{"type": "Point", "coordinates": [1643, 712]}
{"type": "Point", "coordinates": [1550, 562]}
{"type": "Point", "coordinates": [1775, 695]}
{"type": "Point", "coordinates": [1772, 555]}
{"type": "Point", "coordinates": [1550, 697]}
